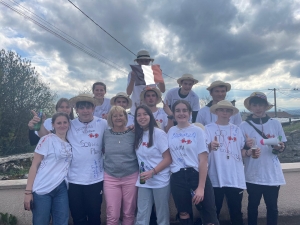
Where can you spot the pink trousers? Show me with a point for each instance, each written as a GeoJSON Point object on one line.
{"type": "Point", "coordinates": [120, 193]}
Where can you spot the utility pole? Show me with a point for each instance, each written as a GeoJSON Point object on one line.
{"type": "Point", "coordinates": [275, 106]}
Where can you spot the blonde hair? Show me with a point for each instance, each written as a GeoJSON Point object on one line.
{"type": "Point", "coordinates": [117, 109]}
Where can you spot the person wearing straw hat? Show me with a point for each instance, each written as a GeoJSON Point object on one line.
{"type": "Point", "coordinates": [85, 175]}
{"type": "Point", "coordinates": [263, 175]}
{"type": "Point", "coordinates": [225, 142]}
{"type": "Point", "coordinates": [217, 91]}
{"type": "Point", "coordinates": [184, 92]}
{"type": "Point", "coordinates": [143, 58]}
{"type": "Point", "coordinates": [123, 100]}
{"type": "Point", "coordinates": [151, 96]}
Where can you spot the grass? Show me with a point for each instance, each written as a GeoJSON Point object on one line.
{"type": "Point", "coordinates": [292, 127]}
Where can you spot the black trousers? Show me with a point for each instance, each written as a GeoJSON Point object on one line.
{"type": "Point", "coordinates": [270, 194]}
{"type": "Point", "coordinates": [181, 183]}
{"type": "Point", "coordinates": [234, 197]}
{"type": "Point", "coordinates": [85, 203]}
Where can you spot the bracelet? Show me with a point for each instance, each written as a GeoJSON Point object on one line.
{"type": "Point", "coordinates": [28, 193]}
{"type": "Point", "coordinates": [155, 173]}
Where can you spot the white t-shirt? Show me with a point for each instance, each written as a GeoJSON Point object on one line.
{"type": "Point", "coordinates": [225, 165]}
{"type": "Point", "coordinates": [86, 141]}
{"type": "Point", "coordinates": [152, 157]}
{"type": "Point", "coordinates": [185, 145]}
{"type": "Point", "coordinates": [266, 170]}
{"type": "Point", "coordinates": [55, 164]}
{"type": "Point", "coordinates": [101, 110]}
{"type": "Point", "coordinates": [205, 117]}
{"type": "Point", "coordinates": [136, 92]}
{"type": "Point", "coordinates": [172, 96]}
{"type": "Point", "coordinates": [130, 119]}
{"type": "Point", "coordinates": [161, 117]}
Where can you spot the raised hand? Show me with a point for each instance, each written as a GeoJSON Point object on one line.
{"type": "Point", "coordinates": [214, 145]}
{"type": "Point", "coordinates": [167, 108]}
{"type": "Point", "coordinates": [249, 141]}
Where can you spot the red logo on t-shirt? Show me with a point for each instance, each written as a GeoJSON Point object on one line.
{"type": "Point", "coordinates": [231, 138]}
{"type": "Point", "coordinates": [270, 136]}
{"type": "Point", "coordinates": [145, 144]}
{"type": "Point", "coordinates": [186, 141]}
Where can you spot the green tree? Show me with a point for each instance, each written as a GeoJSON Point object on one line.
{"type": "Point", "coordinates": [21, 90]}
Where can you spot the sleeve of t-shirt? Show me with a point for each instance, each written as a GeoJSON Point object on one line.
{"type": "Point", "coordinates": [161, 140]}
{"type": "Point", "coordinates": [196, 104]}
{"type": "Point", "coordinates": [241, 139]}
{"type": "Point", "coordinates": [201, 141]}
{"type": "Point", "coordinates": [43, 145]}
{"type": "Point", "coordinates": [281, 132]}
{"type": "Point", "coordinates": [199, 118]}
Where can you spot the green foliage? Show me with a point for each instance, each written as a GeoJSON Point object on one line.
{"type": "Point", "coordinates": [6, 219]}
{"type": "Point", "coordinates": [21, 90]}
{"type": "Point", "coordinates": [291, 127]}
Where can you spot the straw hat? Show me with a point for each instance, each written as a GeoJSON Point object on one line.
{"type": "Point", "coordinates": [257, 94]}
{"type": "Point", "coordinates": [224, 104]}
{"type": "Point", "coordinates": [82, 98]}
{"type": "Point", "coordinates": [121, 95]}
{"type": "Point", "coordinates": [218, 83]}
{"type": "Point", "coordinates": [199, 125]}
{"type": "Point", "coordinates": [186, 77]}
{"type": "Point", "coordinates": [156, 90]}
{"type": "Point", "coordinates": [143, 54]}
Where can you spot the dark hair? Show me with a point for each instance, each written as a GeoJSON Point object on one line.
{"type": "Point", "coordinates": [58, 104]}
{"type": "Point", "coordinates": [84, 104]}
{"type": "Point", "coordinates": [257, 100]}
{"type": "Point", "coordinates": [99, 83]}
{"type": "Point", "coordinates": [183, 102]}
{"type": "Point", "coordinates": [139, 131]}
{"type": "Point", "coordinates": [219, 86]}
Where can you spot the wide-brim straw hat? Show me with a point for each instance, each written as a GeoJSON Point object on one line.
{"type": "Point", "coordinates": [121, 95]}
{"type": "Point", "coordinates": [187, 77]}
{"type": "Point", "coordinates": [143, 54]}
{"type": "Point", "coordinates": [156, 90]}
{"type": "Point", "coordinates": [82, 98]}
{"type": "Point", "coordinates": [218, 83]}
{"type": "Point", "coordinates": [224, 104]}
{"type": "Point", "coordinates": [257, 94]}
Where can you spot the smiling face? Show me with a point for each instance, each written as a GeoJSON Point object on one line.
{"type": "Point", "coordinates": [142, 118]}
{"type": "Point", "coordinates": [61, 125]}
{"type": "Point", "coordinates": [118, 119]}
{"type": "Point", "coordinates": [218, 94]}
{"type": "Point", "coordinates": [64, 107]}
{"type": "Point", "coordinates": [182, 114]}
{"type": "Point", "coordinates": [85, 111]}
{"type": "Point", "coordinates": [150, 98]}
{"type": "Point", "coordinates": [258, 109]}
{"type": "Point", "coordinates": [186, 85]}
{"type": "Point", "coordinates": [99, 91]}
{"type": "Point", "coordinates": [123, 102]}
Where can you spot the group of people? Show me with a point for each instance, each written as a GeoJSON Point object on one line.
{"type": "Point", "coordinates": [137, 158]}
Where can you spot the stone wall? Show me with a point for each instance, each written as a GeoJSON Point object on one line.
{"type": "Point", "coordinates": [292, 151]}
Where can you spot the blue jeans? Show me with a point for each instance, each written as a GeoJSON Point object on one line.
{"type": "Point", "coordinates": [53, 204]}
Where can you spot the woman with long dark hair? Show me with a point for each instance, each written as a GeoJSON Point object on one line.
{"type": "Point", "coordinates": [154, 157]}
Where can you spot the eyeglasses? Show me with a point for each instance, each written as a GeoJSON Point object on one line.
{"type": "Point", "coordinates": [225, 110]}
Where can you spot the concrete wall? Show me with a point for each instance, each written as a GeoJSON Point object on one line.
{"type": "Point", "coordinates": [11, 198]}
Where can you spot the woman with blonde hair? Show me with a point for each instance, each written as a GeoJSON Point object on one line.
{"type": "Point", "coordinates": [120, 168]}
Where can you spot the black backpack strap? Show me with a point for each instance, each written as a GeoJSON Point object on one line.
{"type": "Point", "coordinates": [257, 130]}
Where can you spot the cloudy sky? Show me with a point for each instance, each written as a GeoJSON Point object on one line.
{"type": "Point", "coordinates": [253, 44]}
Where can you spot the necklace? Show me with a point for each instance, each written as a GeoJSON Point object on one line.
{"type": "Point", "coordinates": [120, 133]}
{"type": "Point", "coordinates": [224, 139]}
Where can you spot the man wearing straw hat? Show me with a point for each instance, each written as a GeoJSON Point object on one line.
{"type": "Point", "coordinates": [184, 92]}
{"type": "Point", "coordinates": [151, 96]}
{"type": "Point", "coordinates": [225, 142]}
{"type": "Point", "coordinates": [85, 175]}
{"type": "Point", "coordinates": [217, 90]}
{"type": "Point", "coordinates": [143, 58]}
{"type": "Point", "coordinates": [263, 175]}
{"type": "Point", "coordinates": [123, 100]}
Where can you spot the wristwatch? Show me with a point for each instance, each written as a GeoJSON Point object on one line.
{"type": "Point", "coordinates": [170, 117]}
